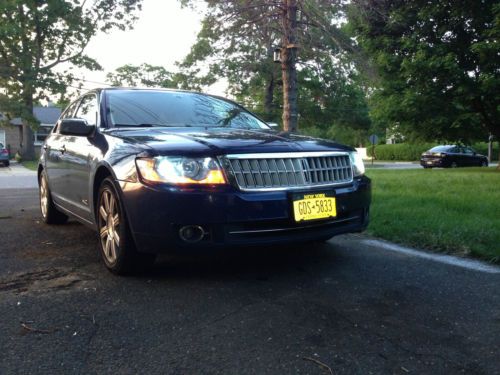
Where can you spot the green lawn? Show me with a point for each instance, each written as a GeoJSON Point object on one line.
{"type": "Point", "coordinates": [30, 164]}
{"type": "Point", "coordinates": [447, 210]}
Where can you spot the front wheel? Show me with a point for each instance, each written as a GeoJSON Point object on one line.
{"type": "Point", "coordinates": [6, 163]}
{"type": "Point", "coordinates": [454, 165]}
{"type": "Point", "coordinates": [116, 243]}
{"type": "Point", "coordinates": [484, 163]}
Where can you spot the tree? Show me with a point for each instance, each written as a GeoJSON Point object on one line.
{"type": "Point", "coordinates": [142, 75]}
{"type": "Point", "coordinates": [238, 38]}
{"type": "Point", "coordinates": [37, 36]}
{"type": "Point", "coordinates": [438, 63]}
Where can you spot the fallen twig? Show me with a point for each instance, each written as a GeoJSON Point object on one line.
{"type": "Point", "coordinates": [36, 330]}
{"type": "Point", "coordinates": [321, 364]}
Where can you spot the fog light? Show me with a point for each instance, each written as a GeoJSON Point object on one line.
{"type": "Point", "coordinates": [191, 233]}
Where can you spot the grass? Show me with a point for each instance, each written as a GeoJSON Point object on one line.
{"type": "Point", "coordinates": [30, 164]}
{"type": "Point", "coordinates": [447, 210]}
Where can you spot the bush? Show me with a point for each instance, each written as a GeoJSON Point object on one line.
{"type": "Point", "coordinates": [412, 152]}
{"type": "Point", "coordinates": [400, 151]}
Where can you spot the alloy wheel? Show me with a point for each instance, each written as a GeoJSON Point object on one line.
{"type": "Point", "coordinates": [44, 196]}
{"type": "Point", "coordinates": [109, 225]}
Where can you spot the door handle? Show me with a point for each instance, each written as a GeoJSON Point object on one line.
{"type": "Point", "coordinates": [62, 149]}
{"type": "Point", "coordinates": [44, 147]}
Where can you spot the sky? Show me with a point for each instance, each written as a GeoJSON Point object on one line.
{"type": "Point", "coordinates": [163, 34]}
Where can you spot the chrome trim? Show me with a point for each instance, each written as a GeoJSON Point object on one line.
{"type": "Point", "coordinates": [224, 161]}
{"type": "Point", "coordinates": [295, 188]}
{"type": "Point", "coordinates": [290, 155]}
{"type": "Point", "coordinates": [295, 228]}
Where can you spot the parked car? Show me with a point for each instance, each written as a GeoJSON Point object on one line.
{"type": "Point", "coordinates": [4, 155]}
{"type": "Point", "coordinates": [157, 170]}
{"type": "Point", "coordinates": [452, 156]}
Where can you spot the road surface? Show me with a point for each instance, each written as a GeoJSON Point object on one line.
{"type": "Point", "coordinates": [347, 306]}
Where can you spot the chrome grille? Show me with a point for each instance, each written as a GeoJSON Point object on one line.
{"type": "Point", "coordinates": [291, 170]}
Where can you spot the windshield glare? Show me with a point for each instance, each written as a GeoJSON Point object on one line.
{"type": "Point", "coordinates": [182, 109]}
{"type": "Point", "coordinates": [440, 148]}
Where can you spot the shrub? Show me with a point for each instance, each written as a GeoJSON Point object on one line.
{"type": "Point", "coordinates": [412, 152]}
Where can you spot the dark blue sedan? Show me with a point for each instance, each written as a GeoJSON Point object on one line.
{"type": "Point", "coordinates": [154, 171]}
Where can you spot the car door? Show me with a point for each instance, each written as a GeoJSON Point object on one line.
{"type": "Point", "coordinates": [470, 159]}
{"type": "Point", "coordinates": [54, 167]}
{"type": "Point", "coordinates": [458, 156]}
{"type": "Point", "coordinates": [77, 157]}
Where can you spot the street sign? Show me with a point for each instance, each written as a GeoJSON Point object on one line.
{"type": "Point", "coordinates": [373, 139]}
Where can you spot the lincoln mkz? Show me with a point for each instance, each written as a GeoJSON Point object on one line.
{"type": "Point", "coordinates": [159, 170]}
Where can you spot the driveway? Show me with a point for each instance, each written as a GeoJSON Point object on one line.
{"type": "Point", "coordinates": [17, 177]}
{"type": "Point", "coordinates": [349, 306]}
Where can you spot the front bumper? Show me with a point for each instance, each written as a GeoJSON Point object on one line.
{"type": "Point", "coordinates": [233, 217]}
{"type": "Point", "coordinates": [432, 162]}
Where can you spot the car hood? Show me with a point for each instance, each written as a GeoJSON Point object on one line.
{"type": "Point", "coordinates": [218, 141]}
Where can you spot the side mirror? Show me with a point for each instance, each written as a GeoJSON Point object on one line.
{"type": "Point", "coordinates": [75, 126]}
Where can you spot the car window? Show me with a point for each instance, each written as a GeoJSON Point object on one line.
{"type": "Point", "coordinates": [68, 113]}
{"type": "Point", "coordinates": [468, 151]}
{"type": "Point", "coordinates": [173, 108]}
{"type": "Point", "coordinates": [88, 110]}
{"type": "Point", "coordinates": [1, 145]}
{"type": "Point", "coordinates": [441, 149]}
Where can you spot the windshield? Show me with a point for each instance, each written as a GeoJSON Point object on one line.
{"type": "Point", "coordinates": [170, 108]}
{"type": "Point", "coordinates": [440, 148]}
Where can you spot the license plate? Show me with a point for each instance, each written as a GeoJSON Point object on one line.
{"type": "Point", "coordinates": [314, 206]}
{"type": "Point", "coordinates": [429, 162]}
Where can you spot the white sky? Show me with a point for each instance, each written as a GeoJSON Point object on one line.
{"type": "Point", "coordinates": [163, 34]}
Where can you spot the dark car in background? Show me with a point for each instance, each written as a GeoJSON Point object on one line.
{"type": "Point", "coordinates": [4, 155]}
{"type": "Point", "coordinates": [452, 156]}
{"type": "Point", "coordinates": [157, 170]}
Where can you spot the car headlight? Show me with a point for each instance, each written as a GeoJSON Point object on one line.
{"type": "Point", "coordinates": [358, 167]}
{"type": "Point", "coordinates": [180, 170]}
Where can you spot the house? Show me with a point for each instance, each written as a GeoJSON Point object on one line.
{"type": "Point", "coordinates": [10, 135]}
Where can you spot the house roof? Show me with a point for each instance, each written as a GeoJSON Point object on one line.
{"type": "Point", "coordinates": [46, 115]}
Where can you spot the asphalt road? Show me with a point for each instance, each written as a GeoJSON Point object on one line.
{"type": "Point", "coordinates": [354, 308]}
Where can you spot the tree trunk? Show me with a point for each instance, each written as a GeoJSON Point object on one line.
{"type": "Point", "coordinates": [27, 146]}
{"type": "Point", "coordinates": [270, 84]}
{"type": "Point", "coordinates": [498, 165]}
{"type": "Point", "coordinates": [269, 97]}
{"type": "Point", "coordinates": [289, 71]}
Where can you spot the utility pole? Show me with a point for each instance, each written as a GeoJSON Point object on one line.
{"type": "Point", "coordinates": [490, 148]}
{"type": "Point", "coordinates": [288, 68]}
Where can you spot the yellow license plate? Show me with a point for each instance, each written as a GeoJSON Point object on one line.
{"type": "Point", "coordinates": [314, 206]}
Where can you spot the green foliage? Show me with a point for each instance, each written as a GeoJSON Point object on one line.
{"type": "Point", "coordinates": [400, 151]}
{"type": "Point", "coordinates": [445, 210]}
{"type": "Point", "coordinates": [237, 41]}
{"type": "Point", "coordinates": [143, 75]}
{"type": "Point", "coordinates": [437, 64]}
{"type": "Point", "coordinates": [37, 36]}
{"type": "Point", "coordinates": [413, 151]}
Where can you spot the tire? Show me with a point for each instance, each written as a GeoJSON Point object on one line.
{"type": "Point", "coordinates": [116, 244]}
{"type": "Point", "coordinates": [454, 165]}
{"type": "Point", "coordinates": [484, 163]}
{"type": "Point", "coordinates": [50, 214]}
{"type": "Point", "coordinates": [6, 163]}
